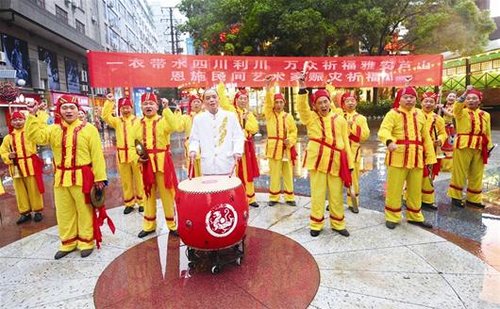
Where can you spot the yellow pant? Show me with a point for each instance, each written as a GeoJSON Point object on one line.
{"type": "Point", "coordinates": [355, 183]}
{"type": "Point", "coordinates": [279, 169]}
{"type": "Point", "coordinates": [131, 181]}
{"type": "Point", "coordinates": [447, 162]}
{"type": "Point", "coordinates": [74, 219]}
{"type": "Point", "coordinates": [396, 177]}
{"type": "Point", "coordinates": [249, 186]}
{"type": "Point", "coordinates": [326, 183]}
{"type": "Point", "coordinates": [27, 195]}
{"type": "Point", "coordinates": [2, 190]}
{"type": "Point", "coordinates": [167, 200]}
{"type": "Point", "coordinates": [468, 167]}
{"type": "Point", "coordinates": [428, 194]}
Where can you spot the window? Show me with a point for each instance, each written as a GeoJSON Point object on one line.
{"type": "Point", "coordinates": [80, 27]}
{"type": "Point", "coordinates": [61, 14]}
{"type": "Point", "coordinates": [40, 3]}
{"type": "Point", "coordinates": [485, 66]}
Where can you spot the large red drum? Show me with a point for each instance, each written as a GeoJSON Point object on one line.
{"type": "Point", "coordinates": [451, 132]}
{"type": "Point", "coordinates": [212, 212]}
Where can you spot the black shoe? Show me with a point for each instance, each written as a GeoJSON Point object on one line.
{"type": "Point", "coordinates": [421, 224]}
{"type": "Point", "coordinates": [343, 232]}
{"type": "Point", "coordinates": [127, 210]}
{"type": "Point", "coordinates": [143, 234]}
{"type": "Point", "coordinates": [272, 203]}
{"type": "Point", "coordinates": [23, 218]}
{"type": "Point", "coordinates": [354, 209]}
{"type": "Point", "coordinates": [429, 206]}
{"type": "Point", "coordinates": [60, 254]}
{"type": "Point", "coordinates": [86, 252]}
{"type": "Point", "coordinates": [390, 225]}
{"type": "Point", "coordinates": [38, 217]}
{"type": "Point", "coordinates": [141, 208]}
{"type": "Point", "coordinates": [291, 203]}
{"type": "Point", "coordinates": [457, 203]}
{"type": "Point", "coordinates": [314, 233]}
{"type": "Point", "coordinates": [477, 205]}
{"type": "Point", "coordinates": [254, 204]}
{"type": "Point", "coordinates": [173, 233]}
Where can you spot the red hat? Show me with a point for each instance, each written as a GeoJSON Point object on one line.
{"type": "Point", "coordinates": [429, 94]}
{"type": "Point", "coordinates": [149, 96]}
{"type": "Point", "coordinates": [66, 99]}
{"type": "Point", "coordinates": [279, 96]}
{"type": "Point", "coordinates": [239, 94]}
{"type": "Point", "coordinates": [401, 92]}
{"type": "Point", "coordinates": [345, 96]}
{"type": "Point", "coordinates": [124, 102]}
{"type": "Point", "coordinates": [476, 92]}
{"type": "Point", "coordinates": [321, 93]}
{"type": "Point", "coordinates": [191, 99]}
{"type": "Point", "coordinates": [17, 115]}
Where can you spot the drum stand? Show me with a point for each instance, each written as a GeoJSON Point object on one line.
{"type": "Point", "coordinates": [217, 258]}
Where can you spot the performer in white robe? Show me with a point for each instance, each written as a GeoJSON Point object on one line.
{"type": "Point", "coordinates": [218, 135]}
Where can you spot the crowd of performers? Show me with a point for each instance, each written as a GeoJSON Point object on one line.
{"type": "Point", "coordinates": [219, 134]}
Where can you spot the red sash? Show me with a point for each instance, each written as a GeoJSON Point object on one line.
{"type": "Point", "coordinates": [250, 161]}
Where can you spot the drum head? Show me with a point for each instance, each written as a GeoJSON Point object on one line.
{"type": "Point", "coordinates": [209, 184]}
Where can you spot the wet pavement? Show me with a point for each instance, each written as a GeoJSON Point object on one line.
{"type": "Point", "coordinates": [474, 230]}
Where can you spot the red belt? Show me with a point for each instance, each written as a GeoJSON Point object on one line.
{"type": "Point", "coordinates": [409, 142]}
{"type": "Point", "coordinates": [72, 168]}
{"type": "Point", "coordinates": [276, 137]}
{"type": "Point", "coordinates": [323, 143]}
{"type": "Point", "coordinates": [155, 151]}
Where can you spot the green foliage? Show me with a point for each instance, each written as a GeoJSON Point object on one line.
{"type": "Point", "coordinates": [367, 108]}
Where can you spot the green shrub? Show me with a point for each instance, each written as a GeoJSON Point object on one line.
{"type": "Point", "coordinates": [367, 108]}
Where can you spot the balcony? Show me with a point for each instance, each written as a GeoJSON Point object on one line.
{"type": "Point", "coordinates": [27, 15]}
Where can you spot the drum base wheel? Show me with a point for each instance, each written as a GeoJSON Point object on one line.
{"type": "Point", "coordinates": [215, 269]}
{"type": "Point", "coordinates": [216, 259]}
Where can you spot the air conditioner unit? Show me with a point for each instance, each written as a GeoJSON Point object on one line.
{"type": "Point", "coordinates": [3, 58]}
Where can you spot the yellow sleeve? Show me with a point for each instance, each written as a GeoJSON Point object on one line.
{"type": "Point", "coordinates": [37, 130]}
{"type": "Point", "coordinates": [268, 104]}
{"type": "Point", "coordinates": [107, 114]}
{"type": "Point", "coordinates": [182, 121]}
{"type": "Point", "coordinates": [5, 149]}
{"type": "Point", "coordinates": [97, 155]}
{"type": "Point", "coordinates": [345, 137]}
{"type": "Point", "coordinates": [386, 127]}
{"type": "Point", "coordinates": [441, 130]}
{"type": "Point", "coordinates": [429, 152]}
{"type": "Point", "coordinates": [458, 109]}
{"type": "Point", "coordinates": [487, 119]}
{"type": "Point", "coordinates": [251, 124]}
{"type": "Point", "coordinates": [291, 130]}
{"type": "Point", "coordinates": [224, 101]}
{"type": "Point", "coordinates": [365, 130]}
{"type": "Point", "coordinates": [305, 113]}
{"type": "Point", "coordinates": [43, 115]}
{"type": "Point", "coordinates": [172, 123]}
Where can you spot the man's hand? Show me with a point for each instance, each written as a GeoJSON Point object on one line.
{"type": "Point", "coordinates": [437, 143]}
{"type": "Point", "coordinates": [12, 155]}
{"type": "Point", "coordinates": [110, 97]}
{"type": "Point", "coordinates": [286, 142]}
{"type": "Point", "coordinates": [237, 156]}
{"type": "Point", "coordinates": [32, 107]}
{"type": "Point", "coordinates": [99, 185]}
{"type": "Point", "coordinates": [164, 103]}
{"type": "Point", "coordinates": [192, 155]}
{"type": "Point", "coordinates": [392, 146]}
{"type": "Point", "coordinates": [43, 106]}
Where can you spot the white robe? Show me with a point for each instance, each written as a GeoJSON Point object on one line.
{"type": "Point", "coordinates": [218, 137]}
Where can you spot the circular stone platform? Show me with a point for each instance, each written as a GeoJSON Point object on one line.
{"type": "Point", "coordinates": [155, 273]}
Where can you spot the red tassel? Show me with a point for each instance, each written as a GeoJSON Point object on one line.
{"type": "Point", "coordinates": [148, 177]}
{"type": "Point", "coordinates": [169, 176]}
{"type": "Point", "coordinates": [98, 217]}
{"type": "Point", "coordinates": [38, 169]}
{"type": "Point", "coordinates": [87, 182]}
{"type": "Point", "coordinates": [250, 161]}
{"type": "Point", "coordinates": [484, 149]}
{"type": "Point", "coordinates": [344, 172]}
{"type": "Point", "coordinates": [293, 154]}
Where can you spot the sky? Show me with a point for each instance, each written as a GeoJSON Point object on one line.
{"type": "Point", "coordinates": [495, 8]}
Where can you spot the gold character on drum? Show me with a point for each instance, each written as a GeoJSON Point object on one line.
{"type": "Point", "coordinates": [25, 167]}
{"type": "Point", "coordinates": [217, 134]}
{"type": "Point", "coordinates": [158, 172]}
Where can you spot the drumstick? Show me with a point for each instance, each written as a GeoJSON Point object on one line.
{"type": "Point", "coordinates": [233, 169]}
{"type": "Point", "coordinates": [191, 169]}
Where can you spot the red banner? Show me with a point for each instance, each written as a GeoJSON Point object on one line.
{"type": "Point", "coordinates": [159, 70]}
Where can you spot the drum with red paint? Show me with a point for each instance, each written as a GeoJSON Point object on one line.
{"type": "Point", "coordinates": [451, 132]}
{"type": "Point", "coordinates": [212, 212]}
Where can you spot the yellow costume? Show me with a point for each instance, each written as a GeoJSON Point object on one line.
{"type": "Point", "coordinates": [437, 131]}
{"type": "Point", "coordinates": [280, 127]}
{"type": "Point", "coordinates": [327, 157]}
{"type": "Point", "coordinates": [185, 125]}
{"type": "Point", "coordinates": [250, 126]}
{"type": "Point", "coordinates": [470, 153]}
{"type": "Point", "coordinates": [414, 150]}
{"type": "Point", "coordinates": [126, 156]}
{"type": "Point", "coordinates": [78, 155]}
{"type": "Point", "coordinates": [154, 133]}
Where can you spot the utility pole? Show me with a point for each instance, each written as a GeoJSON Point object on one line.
{"type": "Point", "coordinates": [172, 30]}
